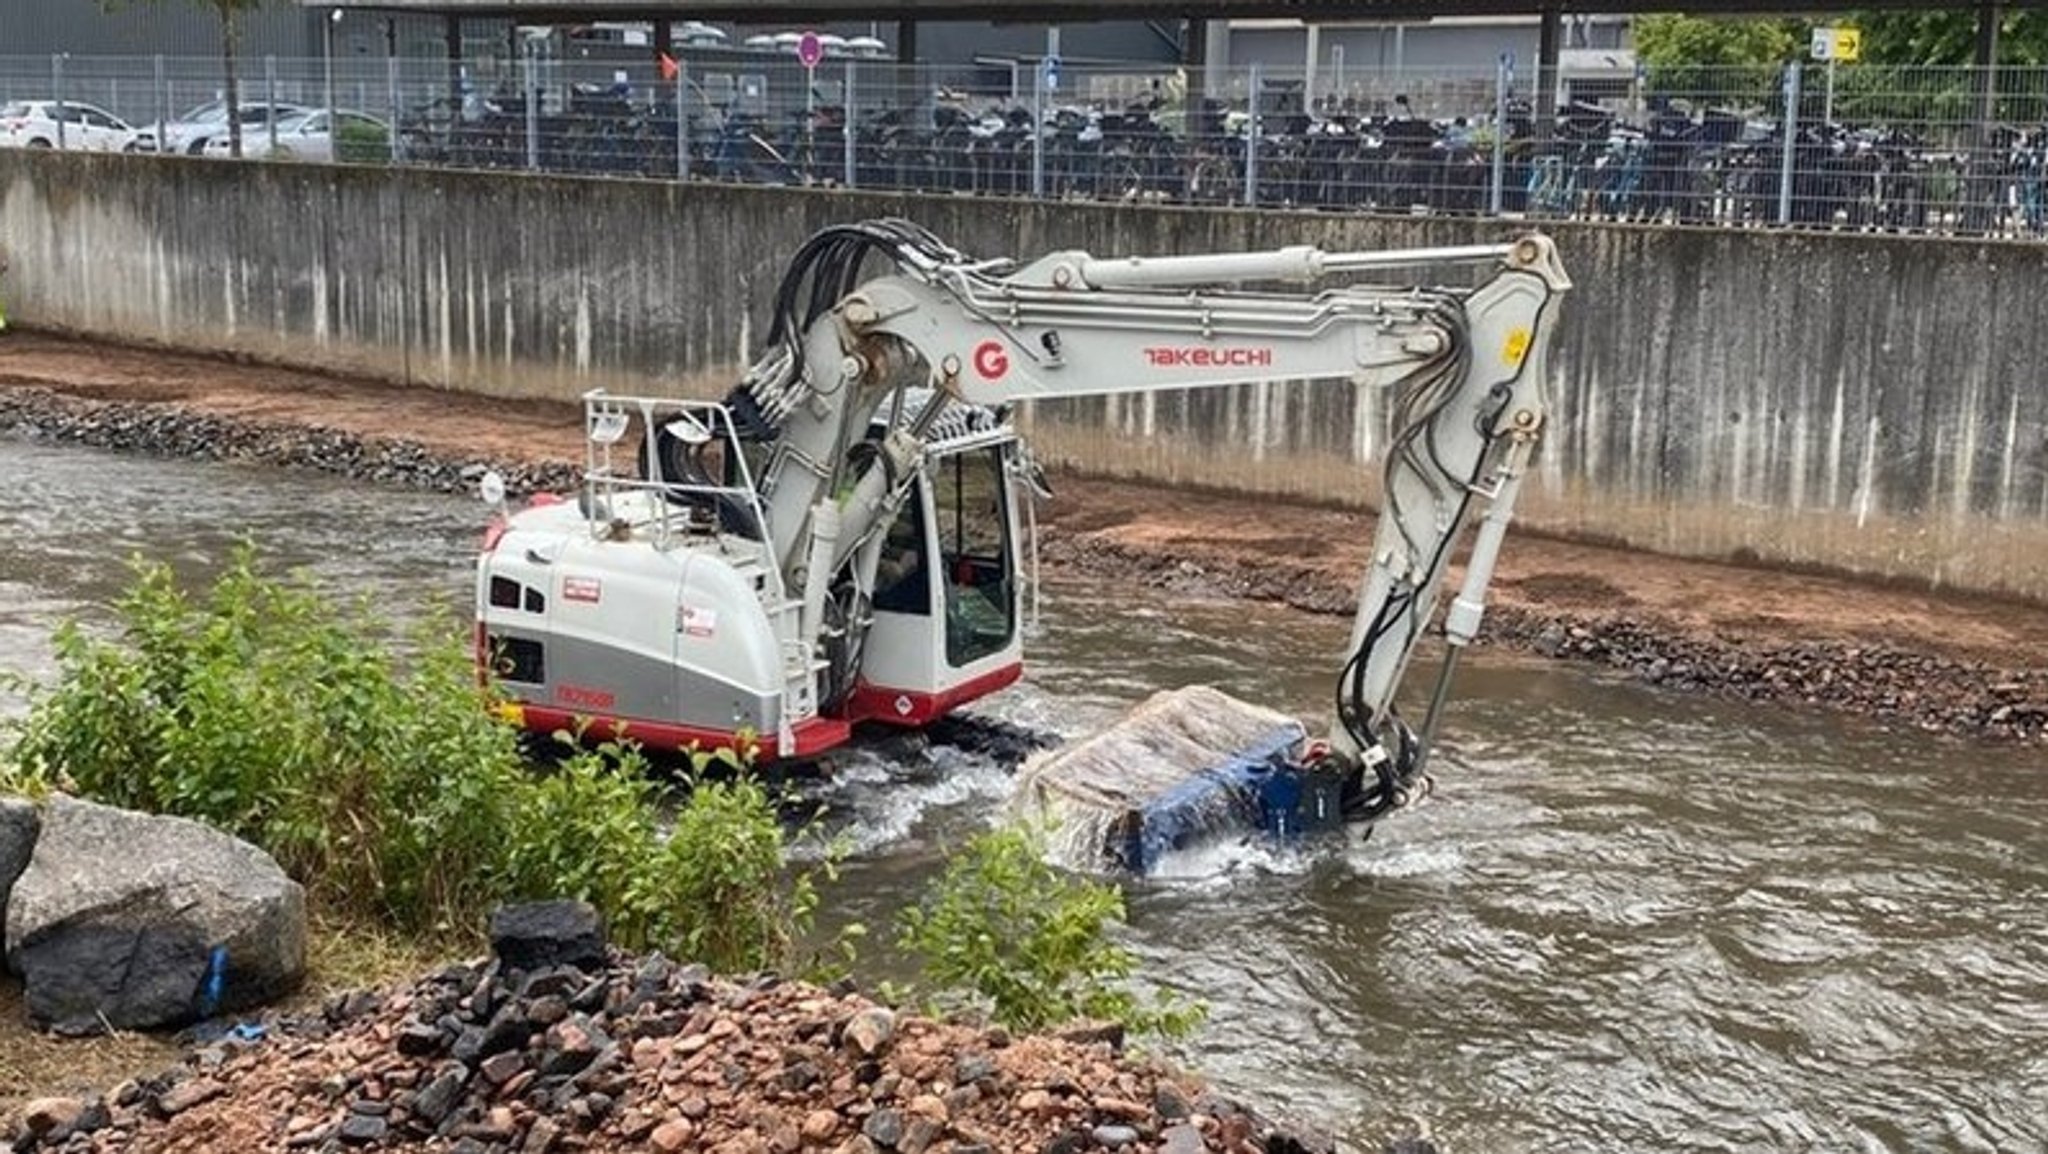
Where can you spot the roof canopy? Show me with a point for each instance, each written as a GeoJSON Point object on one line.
{"type": "Point", "coordinates": [1079, 11]}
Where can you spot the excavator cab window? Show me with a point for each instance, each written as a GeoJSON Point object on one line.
{"type": "Point", "coordinates": [976, 575]}
{"type": "Point", "coordinates": [902, 583]}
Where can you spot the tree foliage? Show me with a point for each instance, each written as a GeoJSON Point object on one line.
{"type": "Point", "coordinates": [1670, 41]}
{"type": "Point", "coordinates": [1946, 38]}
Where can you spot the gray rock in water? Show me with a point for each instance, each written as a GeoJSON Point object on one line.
{"type": "Point", "coordinates": [117, 920]}
{"type": "Point", "coordinates": [536, 935]}
{"type": "Point", "coordinates": [19, 824]}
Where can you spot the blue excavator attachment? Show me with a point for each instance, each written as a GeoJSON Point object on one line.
{"type": "Point", "coordinates": [1186, 768]}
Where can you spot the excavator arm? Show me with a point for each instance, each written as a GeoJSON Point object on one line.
{"type": "Point", "coordinates": [1465, 366]}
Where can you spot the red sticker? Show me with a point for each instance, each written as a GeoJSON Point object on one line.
{"type": "Point", "coordinates": [990, 361]}
{"type": "Point", "coordinates": [582, 589]}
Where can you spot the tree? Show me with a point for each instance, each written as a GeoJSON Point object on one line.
{"type": "Point", "coordinates": [1944, 38]}
{"type": "Point", "coordinates": [1949, 38]}
{"type": "Point", "coordinates": [1681, 42]}
{"type": "Point", "coordinates": [229, 12]}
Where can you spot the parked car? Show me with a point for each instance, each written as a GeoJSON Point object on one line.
{"type": "Point", "coordinates": [307, 137]}
{"type": "Point", "coordinates": [189, 134]}
{"type": "Point", "coordinates": [33, 124]}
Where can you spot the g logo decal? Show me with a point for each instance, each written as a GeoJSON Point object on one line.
{"type": "Point", "coordinates": [990, 361]}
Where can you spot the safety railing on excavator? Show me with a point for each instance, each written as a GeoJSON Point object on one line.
{"type": "Point", "coordinates": [687, 457]}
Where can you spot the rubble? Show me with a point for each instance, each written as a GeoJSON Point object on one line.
{"type": "Point", "coordinates": [1891, 683]}
{"type": "Point", "coordinates": [165, 431]}
{"type": "Point", "coordinates": [646, 1054]}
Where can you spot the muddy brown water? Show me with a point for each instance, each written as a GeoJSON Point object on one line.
{"type": "Point", "coordinates": [1629, 919]}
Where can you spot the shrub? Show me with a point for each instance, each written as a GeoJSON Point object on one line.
{"type": "Point", "coordinates": [361, 143]}
{"type": "Point", "coordinates": [383, 783]}
{"type": "Point", "coordinates": [1031, 944]}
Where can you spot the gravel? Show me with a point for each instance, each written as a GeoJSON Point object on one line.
{"type": "Point", "coordinates": [1926, 692]}
{"type": "Point", "coordinates": [667, 1059]}
{"type": "Point", "coordinates": [166, 431]}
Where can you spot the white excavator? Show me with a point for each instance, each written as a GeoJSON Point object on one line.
{"type": "Point", "coordinates": [838, 541]}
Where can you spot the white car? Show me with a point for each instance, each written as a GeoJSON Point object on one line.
{"type": "Point", "coordinates": [190, 134]}
{"type": "Point", "coordinates": [306, 137]}
{"type": "Point", "coordinates": [33, 124]}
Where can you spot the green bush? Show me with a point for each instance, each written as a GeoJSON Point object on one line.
{"type": "Point", "coordinates": [361, 143]}
{"type": "Point", "coordinates": [382, 782]}
{"type": "Point", "coordinates": [1030, 944]}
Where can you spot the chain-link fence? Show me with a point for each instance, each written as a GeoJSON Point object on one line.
{"type": "Point", "coordinates": [1859, 147]}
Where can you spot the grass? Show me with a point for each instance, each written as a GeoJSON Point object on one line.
{"type": "Point", "coordinates": [37, 1065]}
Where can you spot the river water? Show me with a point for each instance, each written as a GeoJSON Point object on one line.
{"type": "Point", "coordinates": [1629, 920]}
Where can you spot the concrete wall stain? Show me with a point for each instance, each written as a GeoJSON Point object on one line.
{"type": "Point", "coordinates": [1873, 404]}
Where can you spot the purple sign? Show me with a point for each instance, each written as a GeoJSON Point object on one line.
{"type": "Point", "coordinates": [810, 49]}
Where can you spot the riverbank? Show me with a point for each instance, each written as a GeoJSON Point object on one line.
{"type": "Point", "coordinates": [1938, 662]}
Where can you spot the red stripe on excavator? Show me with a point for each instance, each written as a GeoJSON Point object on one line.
{"type": "Point", "coordinates": [879, 703]}
{"type": "Point", "coordinates": [814, 736]}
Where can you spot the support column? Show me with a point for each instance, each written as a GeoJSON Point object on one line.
{"type": "Point", "coordinates": [1549, 43]}
{"type": "Point", "coordinates": [1216, 58]}
{"type": "Point", "coordinates": [906, 41]}
{"type": "Point", "coordinates": [1311, 48]}
{"type": "Point", "coordinates": [664, 38]}
{"type": "Point", "coordinates": [1985, 191]}
{"type": "Point", "coordinates": [1990, 16]}
{"type": "Point", "coordinates": [1194, 44]}
{"type": "Point", "coordinates": [451, 32]}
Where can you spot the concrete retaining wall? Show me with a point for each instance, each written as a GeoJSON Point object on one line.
{"type": "Point", "coordinates": [1860, 403]}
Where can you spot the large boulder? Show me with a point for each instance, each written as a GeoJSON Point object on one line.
{"type": "Point", "coordinates": [19, 824]}
{"type": "Point", "coordinates": [132, 921]}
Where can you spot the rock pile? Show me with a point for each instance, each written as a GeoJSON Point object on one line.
{"type": "Point", "coordinates": [1930, 693]}
{"type": "Point", "coordinates": [164, 431]}
{"type": "Point", "coordinates": [641, 1053]}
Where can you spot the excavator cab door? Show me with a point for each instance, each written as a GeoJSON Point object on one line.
{"type": "Point", "coordinates": [977, 572]}
{"type": "Point", "coordinates": [945, 609]}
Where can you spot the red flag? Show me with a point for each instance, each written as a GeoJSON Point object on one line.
{"type": "Point", "coordinates": [669, 67]}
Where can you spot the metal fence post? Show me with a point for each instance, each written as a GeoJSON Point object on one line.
{"type": "Point", "coordinates": [682, 120]}
{"type": "Point", "coordinates": [163, 105]}
{"type": "Point", "coordinates": [270, 102]}
{"type": "Point", "coordinates": [1252, 131]}
{"type": "Point", "coordinates": [846, 126]}
{"type": "Point", "coordinates": [1503, 76]}
{"type": "Point", "coordinates": [391, 103]}
{"type": "Point", "coordinates": [532, 111]}
{"type": "Point", "coordinates": [1785, 169]}
{"type": "Point", "coordinates": [1038, 77]}
{"type": "Point", "coordinates": [334, 149]}
{"type": "Point", "coordinates": [57, 91]}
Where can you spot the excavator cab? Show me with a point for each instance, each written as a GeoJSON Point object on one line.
{"type": "Point", "coordinates": [946, 621]}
